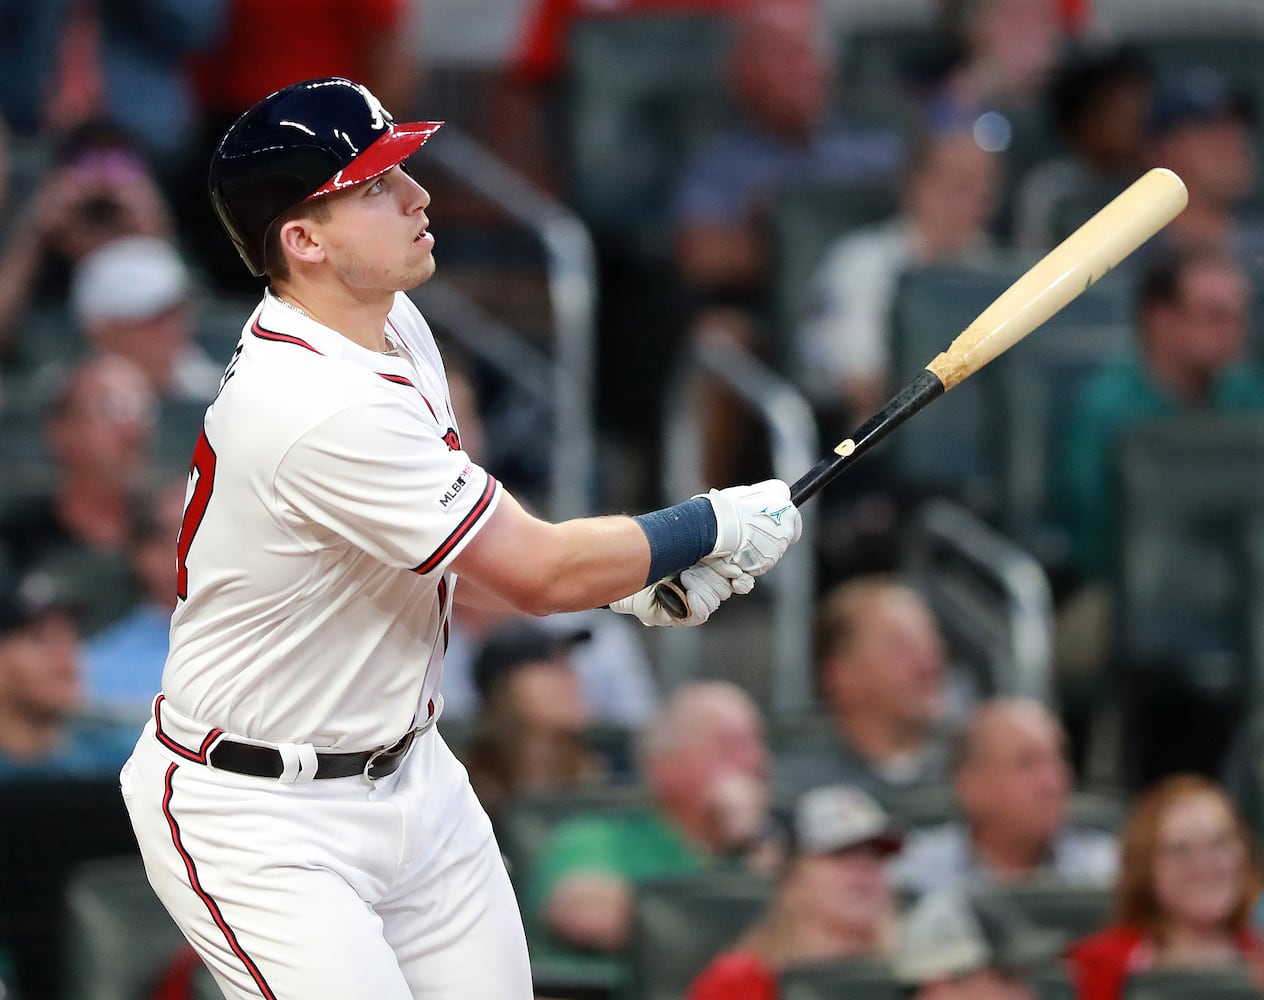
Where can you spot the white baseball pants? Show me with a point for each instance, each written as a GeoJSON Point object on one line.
{"type": "Point", "coordinates": [338, 888]}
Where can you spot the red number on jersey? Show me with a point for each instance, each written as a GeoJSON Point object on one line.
{"type": "Point", "coordinates": [202, 482]}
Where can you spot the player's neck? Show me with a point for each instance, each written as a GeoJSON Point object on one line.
{"type": "Point", "coordinates": [362, 321]}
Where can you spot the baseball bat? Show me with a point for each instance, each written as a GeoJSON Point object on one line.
{"type": "Point", "coordinates": [1079, 261]}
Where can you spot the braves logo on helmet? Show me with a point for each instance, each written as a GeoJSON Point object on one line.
{"type": "Point", "coordinates": [452, 439]}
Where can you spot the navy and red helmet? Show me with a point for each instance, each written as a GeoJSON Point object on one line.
{"type": "Point", "coordinates": [306, 140]}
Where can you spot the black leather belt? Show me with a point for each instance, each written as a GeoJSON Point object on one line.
{"type": "Point", "coordinates": [266, 762]}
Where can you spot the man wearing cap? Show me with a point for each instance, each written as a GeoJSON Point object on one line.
{"type": "Point", "coordinates": [133, 297]}
{"type": "Point", "coordinates": [959, 946]}
{"type": "Point", "coordinates": [301, 819]}
{"type": "Point", "coordinates": [832, 901]}
{"type": "Point", "coordinates": [42, 732]}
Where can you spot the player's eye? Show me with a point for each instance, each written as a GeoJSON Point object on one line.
{"type": "Point", "coordinates": [377, 185]}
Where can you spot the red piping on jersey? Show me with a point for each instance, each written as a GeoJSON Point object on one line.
{"type": "Point", "coordinates": [196, 884]}
{"type": "Point", "coordinates": [281, 338]}
{"type": "Point", "coordinates": [460, 531]}
{"type": "Point", "coordinates": [400, 380]}
{"type": "Point", "coordinates": [197, 756]}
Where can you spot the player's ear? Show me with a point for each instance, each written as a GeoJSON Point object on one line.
{"type": "Point", "coordinates": [298, 241]}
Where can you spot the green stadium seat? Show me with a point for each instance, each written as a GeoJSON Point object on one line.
{"type": "Point", "coordinates": [856, 979]}
{"type": "Point", "coordinates": [680, 924]}
{"type": "Point", "coordinates": [119, 939]}
{"type": "Point", "coordinates": [1190, 488]}
{"type": "Point", "coordinates": [1056, 985]}
{"type": "Point", "coordinates": [960, 452]}
{"type": "Point", "coordinates": [1227, 984]}
{"type": "Point", "coordinates": [632, 122]}
{"type": "Point", "coordinates": [1074, 910]}
{"type": "Point", "coordinates": [1038, 392]}
{"type": "Point", "coordinates": [805, 222]}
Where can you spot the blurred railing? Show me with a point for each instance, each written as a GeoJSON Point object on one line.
{"type": "Point", "coordinates": [570, 264]}
{"type": "Point", "coordinates": [792, 439]}
{"type": "Point", "coordinates": [984, 586]}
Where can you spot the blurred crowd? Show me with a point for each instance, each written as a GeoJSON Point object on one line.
{"type": "Point", "coordinates": [814, 184]}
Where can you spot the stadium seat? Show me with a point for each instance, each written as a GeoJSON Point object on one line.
{"type": "Point", "coordinates": [1074, 910]}
{"type": "Point", "coordinates": [680, 924]}
{"type": "Point", "coordinates": [805, 222]}
{"type": "Point", "coordinates": [119, 939]}
{"type": "Point", "coordinates": [1171, 984]}
{"type": "Point", "coordinates": [47, 829]}
{"type": "Point", "coordinates": [1038, 392]}
{"type": "Point", "coordinates": [881, 61]}
{"type": "Point", "coordinates": [960, 451]}
{"type": "Point", "coordinates": [1189, 488]}
{"type": "Point", "coordinates": [1055, 985]}
{"type": "Point", "coordinates": [631, 123]}
{"type": "Point", "coordinates": [857, 979]}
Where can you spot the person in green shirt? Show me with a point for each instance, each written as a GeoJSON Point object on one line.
{"type": "Point", "coordinates": [1192, 336]}
{"type": "Point", "coordinates": [705, 765]}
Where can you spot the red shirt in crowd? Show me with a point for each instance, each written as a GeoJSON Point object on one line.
{"type": "Point", "coordinates": [1101, 962]}
{"type": "Point", "coordinates": [735, 975]}
{"type": "Point", "coordinates": [269, 44]}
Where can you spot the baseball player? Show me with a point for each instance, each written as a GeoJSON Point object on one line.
{"type": "Point", "coordinates": [298, 813]}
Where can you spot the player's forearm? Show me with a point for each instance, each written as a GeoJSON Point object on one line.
{"type": "Point", "coordinates": [541, 568]}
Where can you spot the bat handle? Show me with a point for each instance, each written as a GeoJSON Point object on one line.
{"type": "Point", "coordinates": [670, 593]}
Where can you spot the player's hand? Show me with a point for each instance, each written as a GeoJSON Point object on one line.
{"type": "Point", "coordinates": [708, 584]}
{"type": "Point", "coordinates": [755, 524]}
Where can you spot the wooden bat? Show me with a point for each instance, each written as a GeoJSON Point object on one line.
{"type": "Point", "coordinates": [1079, 261]}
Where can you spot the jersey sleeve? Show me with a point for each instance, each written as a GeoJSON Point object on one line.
{"type": "Point", "coordinates": [380, 478]}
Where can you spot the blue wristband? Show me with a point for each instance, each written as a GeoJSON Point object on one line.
{"type": "Point", "coordinates": [679, 536]}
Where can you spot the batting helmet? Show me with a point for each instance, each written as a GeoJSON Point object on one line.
{"type": "Point", "coordinates": [307, 140]}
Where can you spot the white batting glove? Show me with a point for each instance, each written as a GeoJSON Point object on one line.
{"type": "Point", "coordinates": [708, 584]}
{"type": "Point", "coordinates": [756, 524]}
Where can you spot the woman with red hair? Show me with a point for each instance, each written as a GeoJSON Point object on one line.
{"type": "Point", "coordinates": [1189, 877]}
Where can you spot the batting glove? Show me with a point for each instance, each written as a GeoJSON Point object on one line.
{"type": "Point", "coordinates": [756, 524]}
{"type": "Point", "coordinates": [708, 584]}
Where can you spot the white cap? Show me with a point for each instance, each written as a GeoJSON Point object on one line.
{"type": "Point", "coordinates": [133, 277]}
{"type": "Point", "coordinates": [839, 817]}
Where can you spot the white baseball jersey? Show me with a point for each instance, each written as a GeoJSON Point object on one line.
{"type": "Point", "coordinates": [327, 497]}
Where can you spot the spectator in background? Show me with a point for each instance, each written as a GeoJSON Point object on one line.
{"type": "Point", "coordinates": [1190, 876]}
{"type": "Point", "coordinates": [133, 297]}
{"type": "Point", "coordinates": [42, 728]}
{"type": "Point", "coordinates": [962, 946]}
{"type": "Point", "coordinates": [882, 670]}
{"type": "Point", "coordinates": [99, 431]}
{"type": "Point", "coordinates": [1193, 329]}
{"type": "Point", "coordinates": [948, 196]}
{"type": "Point", "coordinates": [1014, 788]}
{"type": "Point", "coordinates": [1099, 101]}
{"type": "Point", "coordinates": [124, 662]}
{"type": "Point", "coordinates": [529, 733]}
{"type": "Point", "coordinates": [64, 62]}
{"type": "Point", "coordinates": [1007, 51]}
{"type": "Point", "coordinates": [780, 72]}
{"type": "Point", "coordinates": [98, 189]}
{"type": "Point", "coordinates": [832, 899]}
{"type": "Point", "coordinates": [704, 763]}
{"type": "Point", "coordinates": [1201, 129]}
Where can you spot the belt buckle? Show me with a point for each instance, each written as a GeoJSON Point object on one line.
{"type": "Point", "coordinates": [392, 752]}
